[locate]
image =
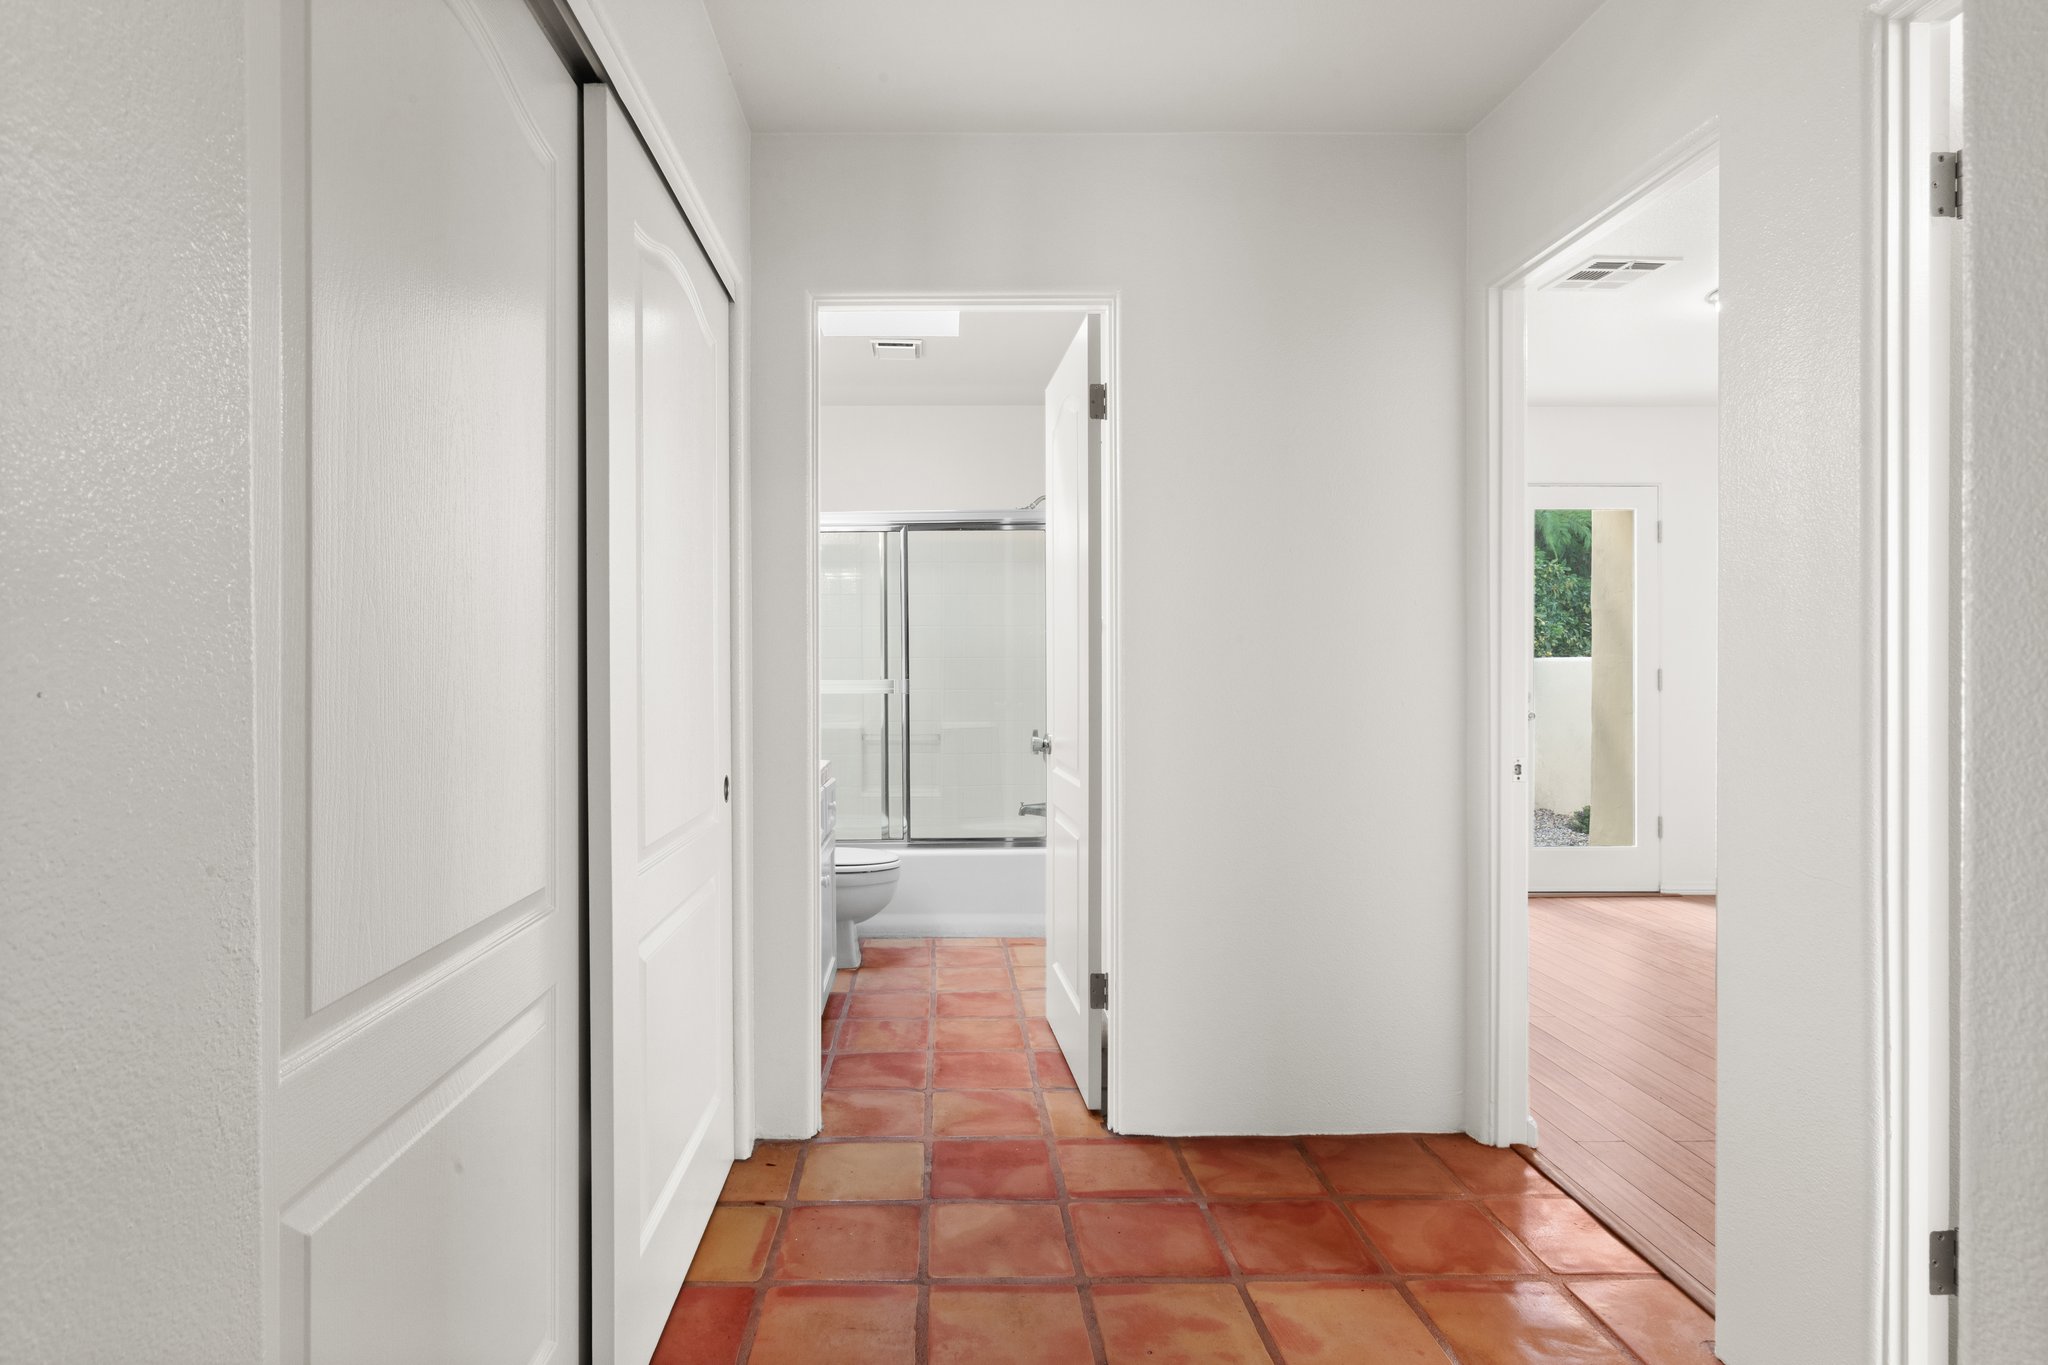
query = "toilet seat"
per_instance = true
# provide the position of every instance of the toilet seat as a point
(859, 860)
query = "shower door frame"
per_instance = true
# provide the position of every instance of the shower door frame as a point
(897, 526)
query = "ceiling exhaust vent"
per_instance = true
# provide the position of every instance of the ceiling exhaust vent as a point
(1611, 272)
(898, 350)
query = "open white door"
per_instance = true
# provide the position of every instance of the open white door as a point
(1596, 822)
(1073, 943)
(656, 476)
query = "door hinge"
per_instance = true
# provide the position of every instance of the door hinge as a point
(1098, 401)
(1098, 990)
(1945, 184)
(1941, 1262)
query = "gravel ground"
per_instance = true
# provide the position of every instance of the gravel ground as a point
(1555, 831)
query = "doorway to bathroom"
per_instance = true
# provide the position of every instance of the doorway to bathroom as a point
(963, 598)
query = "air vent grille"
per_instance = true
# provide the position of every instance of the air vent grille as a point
(898, 350)
(1611, 272)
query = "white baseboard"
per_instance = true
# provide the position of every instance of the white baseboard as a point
(1707, 890)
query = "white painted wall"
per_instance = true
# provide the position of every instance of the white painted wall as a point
(2004, 561)
(1674, 448)
(937, 457)
(1289, 378)
(1800, 1037)
(128, 1013)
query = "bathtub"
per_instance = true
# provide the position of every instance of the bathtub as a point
(982, 892)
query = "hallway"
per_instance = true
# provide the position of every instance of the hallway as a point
(1621, 1066)
(962, 1206)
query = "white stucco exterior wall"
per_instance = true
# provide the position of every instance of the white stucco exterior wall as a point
(1790, 83)
(1291, 635)
(2004, 564)
(128, 1008)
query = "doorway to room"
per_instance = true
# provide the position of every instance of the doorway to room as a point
(963, 544)
(1619, 434)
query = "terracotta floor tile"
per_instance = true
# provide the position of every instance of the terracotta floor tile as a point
(828, 1032)
(991, 1168)
(1016, 1324)
(1029, 979)
(1164, 1240)
(835, 1004)
(1293, 1239)
(979, 1035)
(840, 1171)
(1041, 1035)
(885, 1035)
(850, 1242)
(1652, 1318)
(910, 977)
(1122, 1169)
(1440, 1237)
(1513, 1322)
(985, 1113)
(735, 1244)
(901, 952)
(874, 1113)
(763, 1177)
(846, 1324)
(842, 980)
(1052, 1070)
(1340, 1323)
(1567, 1238)
(1071, 1117)
(1488, 1171)
(890, 1005)
(977, 1005)
(706, 1326)
(1180, 1324)
(971, 955)
(877, 1071)
(981, 1071)
(1249, 1168)
(1027, 953)
(1380, 1164)
(974, 978)
(1034, 1004)
(999, 1242)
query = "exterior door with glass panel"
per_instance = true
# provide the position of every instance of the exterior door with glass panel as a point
(1595, 821)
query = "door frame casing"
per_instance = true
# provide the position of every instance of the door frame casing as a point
(1104, 705)
(1500, 1114)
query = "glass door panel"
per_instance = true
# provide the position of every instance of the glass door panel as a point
(976, 641)
(1592, 737)
(858, 701)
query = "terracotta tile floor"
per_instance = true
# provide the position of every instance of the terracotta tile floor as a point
(962, 1207)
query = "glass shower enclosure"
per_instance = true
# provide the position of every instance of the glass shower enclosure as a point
(931, 666)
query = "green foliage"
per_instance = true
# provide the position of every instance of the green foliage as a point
(1582, 820)
(1564, 610)
(1566, 533)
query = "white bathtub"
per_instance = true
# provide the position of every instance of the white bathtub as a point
(965, 893)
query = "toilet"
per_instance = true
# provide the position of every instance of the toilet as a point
(864, 882)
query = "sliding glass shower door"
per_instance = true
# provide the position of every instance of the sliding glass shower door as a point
(932, 672)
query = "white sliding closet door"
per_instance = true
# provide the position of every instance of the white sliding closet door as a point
(422, 1129)
(657, 472)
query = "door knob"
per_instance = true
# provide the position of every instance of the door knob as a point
(1040, 744)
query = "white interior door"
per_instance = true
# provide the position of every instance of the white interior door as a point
(1595, 818)
(422, 1133)
(657, 469)
(1073, 945)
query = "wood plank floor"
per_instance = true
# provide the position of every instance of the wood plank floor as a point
(1621, 1067)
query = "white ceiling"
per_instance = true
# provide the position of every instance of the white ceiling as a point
(1654, 341)
(998, 358)
(1373, 66)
